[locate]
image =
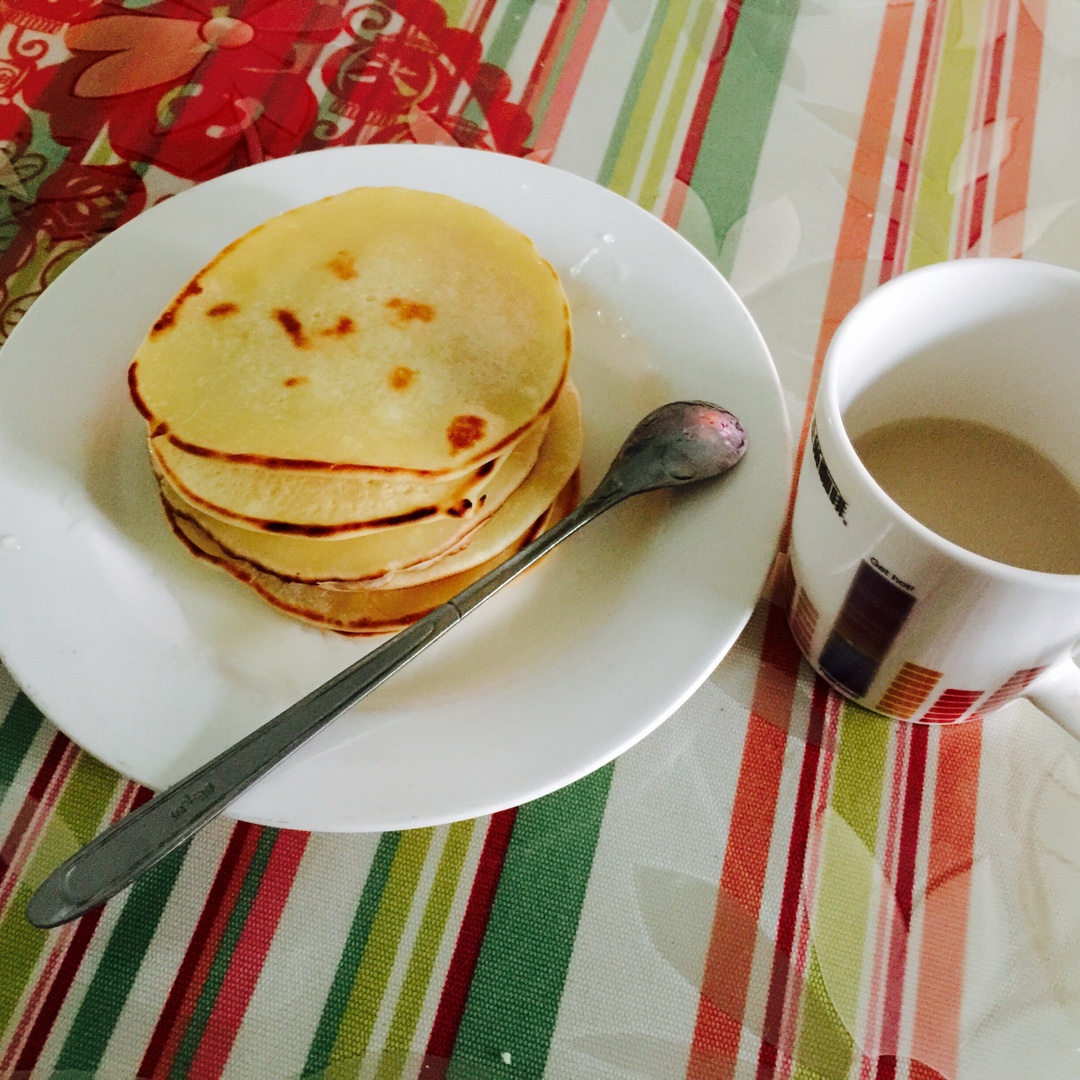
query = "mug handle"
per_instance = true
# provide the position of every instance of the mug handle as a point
(1056, 692)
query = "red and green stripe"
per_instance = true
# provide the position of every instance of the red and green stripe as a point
(322, 1045)
(557, 86)
(730, 954)
(72, 820)
(517, 984)
(470, 938)
(935, 203)
(643, 92)
(864, 188)
(907, 170)
(939, 994)
(198, 957)
(71, 959)
(844, 901)
(403, 1025)
(49, 776)
(355, 1018)
(551, 59)
(508, 32)
(21, 725)
(240, 962)
(793, 884)
(123, 956)
(204, 1001)
(723, 146)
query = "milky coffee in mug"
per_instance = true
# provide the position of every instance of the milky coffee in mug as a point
(935, 541)
(980, 487)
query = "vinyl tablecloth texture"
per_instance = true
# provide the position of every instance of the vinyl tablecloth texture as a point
(773, 883)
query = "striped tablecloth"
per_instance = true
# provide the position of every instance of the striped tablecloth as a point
(771, 884)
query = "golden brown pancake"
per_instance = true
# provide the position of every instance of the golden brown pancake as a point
(338, 505)
(382, 329)
(362, 405)
(363, 611)
(521, 488)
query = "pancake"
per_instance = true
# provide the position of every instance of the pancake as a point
(380, 330)
(365, 559)
(333, 504)
(363, 611)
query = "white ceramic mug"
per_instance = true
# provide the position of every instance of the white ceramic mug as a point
(897, 618)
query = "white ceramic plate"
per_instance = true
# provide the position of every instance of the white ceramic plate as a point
(154, 661)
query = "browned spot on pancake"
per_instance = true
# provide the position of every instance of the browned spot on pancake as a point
(485, 469)
(465, 431)
(291, 529)
(218, 310)
(294, 464)
(569, 340)
(159, 430)
(515, 433)
(400, 377)
(133, 390)
(291, 325)
(296, 380)
(168, 316)
(343, 326)
(343, 264)
(460, 509)
(192, 288)
(410, 310)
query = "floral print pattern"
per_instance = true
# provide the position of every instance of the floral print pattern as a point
(96, 94)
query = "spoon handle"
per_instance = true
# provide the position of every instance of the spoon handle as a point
(126, 849)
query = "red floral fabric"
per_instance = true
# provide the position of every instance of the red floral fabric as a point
(96, 96)
(195, 87)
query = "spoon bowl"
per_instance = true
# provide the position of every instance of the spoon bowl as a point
(679, 443)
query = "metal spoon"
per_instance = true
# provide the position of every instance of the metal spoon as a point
(677, 444)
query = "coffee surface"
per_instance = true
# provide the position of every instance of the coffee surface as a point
(979, 487)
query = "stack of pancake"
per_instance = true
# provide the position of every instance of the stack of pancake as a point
(362, 406)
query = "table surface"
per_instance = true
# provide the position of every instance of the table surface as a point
(773, 883)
